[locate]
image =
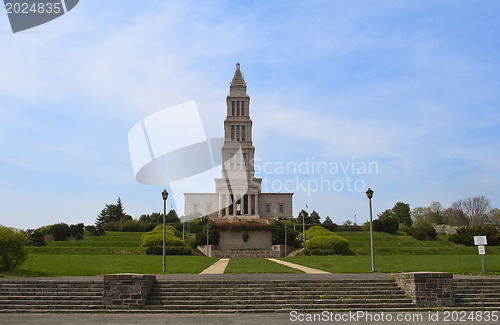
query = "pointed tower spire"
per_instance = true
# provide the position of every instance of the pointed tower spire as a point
(238, 85)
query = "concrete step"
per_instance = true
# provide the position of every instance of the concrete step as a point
(51, 307)
(292, 306)
(273, 292)
(297, 295)
(282, 302)
(53, 298)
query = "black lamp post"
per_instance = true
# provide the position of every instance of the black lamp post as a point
(369, 194)
(164, 194)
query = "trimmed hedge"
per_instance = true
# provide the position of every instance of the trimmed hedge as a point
(327, 245)
(321, 241)
(155, 237)
(242, 226)
(315, 231)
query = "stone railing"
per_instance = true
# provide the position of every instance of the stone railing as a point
(126, 291)
(428, 289)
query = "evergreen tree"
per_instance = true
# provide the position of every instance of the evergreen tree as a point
(111, 212)
(303, 215)
(172, 217)
(328, 220)
(314, 218)
(402, 212)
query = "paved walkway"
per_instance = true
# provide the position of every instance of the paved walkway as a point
(308, 270)
(217, 268)
(292, 317)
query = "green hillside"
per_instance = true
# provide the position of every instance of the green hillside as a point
(121, 252)
(402, 244)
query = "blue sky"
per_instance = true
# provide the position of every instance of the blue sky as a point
(411, 86)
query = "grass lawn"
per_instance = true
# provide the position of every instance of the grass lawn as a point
(116, 252)
(401, 244)
(257, 265)
(457, 264)
(89, 265)
(121, 252)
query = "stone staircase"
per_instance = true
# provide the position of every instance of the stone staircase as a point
(47, 296)
(477, 293)
(231, 296)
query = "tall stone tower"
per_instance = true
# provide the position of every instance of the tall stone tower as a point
(238, 189)
(238, 192)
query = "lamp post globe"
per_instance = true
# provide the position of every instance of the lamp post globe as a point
(164, 195)
(369, 194)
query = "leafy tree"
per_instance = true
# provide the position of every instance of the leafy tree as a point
(77, 230)
(476, 209)
(36, 237)
(419, 213)
(455, 217)
(423, 230)
(495, 216)
(154, 217)
(278, 233)
(386, 222)
(402, 212)
(386, 214)
(60, 231)
(213, 234)
(436, 207)
(111, 212)
(12, 250)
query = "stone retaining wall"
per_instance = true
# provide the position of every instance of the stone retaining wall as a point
(126, 291)
(428, 289)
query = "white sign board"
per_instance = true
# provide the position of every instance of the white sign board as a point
(481, 250)
(480, 240)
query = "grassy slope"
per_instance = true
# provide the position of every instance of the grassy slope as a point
(458, 264)
(113, 243)
(116, 252)
(87, 265)
(399, 244)
(122, 252)
(401, 253)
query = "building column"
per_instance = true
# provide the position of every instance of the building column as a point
(226, 203)
(220, 206)
(243, 204)
(232, 202)
(256, 204)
